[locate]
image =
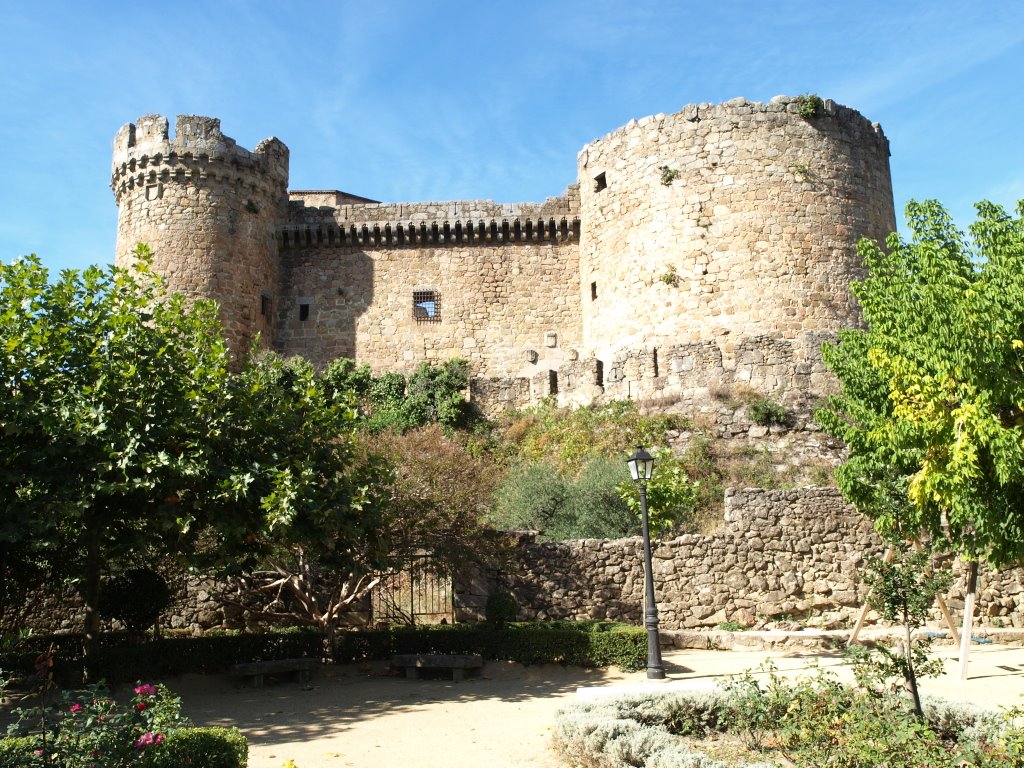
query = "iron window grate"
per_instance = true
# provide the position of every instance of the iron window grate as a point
(426, 306)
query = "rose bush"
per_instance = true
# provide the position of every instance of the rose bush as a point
(90, 729)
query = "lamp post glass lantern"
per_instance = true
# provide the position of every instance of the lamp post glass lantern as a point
(641, 469)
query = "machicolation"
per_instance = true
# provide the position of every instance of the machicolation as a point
(752, 210)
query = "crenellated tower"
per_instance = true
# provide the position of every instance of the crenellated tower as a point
(724, 238)
(209, 210)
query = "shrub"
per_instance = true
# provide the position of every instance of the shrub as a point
(136, 598)
(181, 748)
(200, 748)
(122, 658)
(433, 394)
(344, 376)
(501, 608)
(90, 727)
(810, 105)
(812, 721)
(568, 439)
(671, 496)
(766, 412)
(539, 497)
(585, 644)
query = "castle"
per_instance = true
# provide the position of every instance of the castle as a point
(708, 248)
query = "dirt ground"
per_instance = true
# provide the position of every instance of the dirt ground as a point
(364, 717)
(347, 717)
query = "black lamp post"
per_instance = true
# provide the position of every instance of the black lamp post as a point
(641, 468)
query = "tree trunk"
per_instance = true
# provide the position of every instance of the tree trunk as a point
(911, 676)
(91, 597)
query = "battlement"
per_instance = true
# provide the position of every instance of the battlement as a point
(477, 222)
(145, 154)
(314, 222)
(390, 234)
(844, 118)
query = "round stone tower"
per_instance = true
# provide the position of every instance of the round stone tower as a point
(208, 209)
(728, 222)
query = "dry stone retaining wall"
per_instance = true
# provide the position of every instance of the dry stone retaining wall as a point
(793, 554)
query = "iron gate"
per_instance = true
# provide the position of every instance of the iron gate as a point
(416, 594)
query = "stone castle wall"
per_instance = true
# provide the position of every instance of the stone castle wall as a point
(709, 248)
(209, 210)
(502, 281)
(727, 222)
(796, 554)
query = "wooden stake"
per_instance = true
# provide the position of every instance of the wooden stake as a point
(862, 617)
(941, 601)
(965, 638)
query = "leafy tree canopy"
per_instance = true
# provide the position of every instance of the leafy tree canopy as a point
(127, 434)
(932, 404)
(111, 400)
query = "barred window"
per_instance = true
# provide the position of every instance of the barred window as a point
(426, 306)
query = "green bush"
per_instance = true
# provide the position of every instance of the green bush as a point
(432, 395)
(80, 728)
(200, 748)
(123, 658)
(811, 721)
(590, 506)
(585, 644)
(766, 412)
(810, 105)
(501, 608)
(182, 748)
(570, 438)
(136, 598)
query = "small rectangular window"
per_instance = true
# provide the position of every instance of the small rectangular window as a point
(600, 182)
(303, 312)
(265, 306)
(593, 291)
(426, 306)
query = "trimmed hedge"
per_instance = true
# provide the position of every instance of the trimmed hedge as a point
(182, 748)
(200, 748)
(584, 643)
(122, 658)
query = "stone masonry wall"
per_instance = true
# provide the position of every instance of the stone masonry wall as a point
(795, 553)
(502, 279)
(209, 211)
(727, 222)
(508, 309)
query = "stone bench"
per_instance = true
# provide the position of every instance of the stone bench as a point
(255, 670)
(412, 663)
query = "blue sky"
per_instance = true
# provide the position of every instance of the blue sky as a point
(406, 100)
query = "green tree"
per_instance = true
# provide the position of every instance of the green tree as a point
(111, 399)
(128, 435)
(291, 509)
(932, 405)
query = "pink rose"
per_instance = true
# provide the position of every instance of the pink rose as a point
(146, 689)
(76, 708)
(149, 739)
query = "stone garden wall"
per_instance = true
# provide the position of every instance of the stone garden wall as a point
(791, 555)
(794, 556)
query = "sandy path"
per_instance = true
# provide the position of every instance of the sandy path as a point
(348, 718)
